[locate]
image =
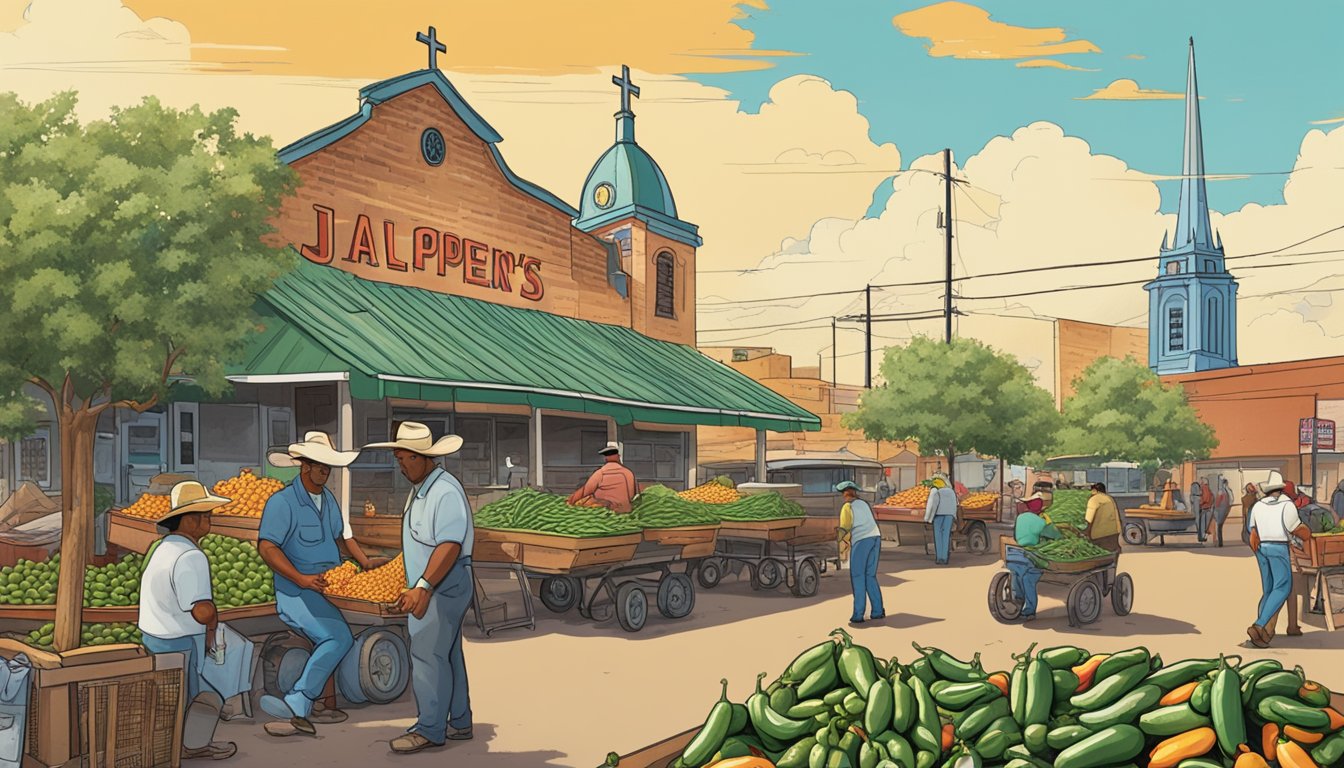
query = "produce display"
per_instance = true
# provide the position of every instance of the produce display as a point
(979, 500)
(238, 577)
(531, 510)
(910, 498)
(91, 634)
(247, 492)
(838, 706)
(149, 507)
(662, 507)
(383, 584)
(1068, 549)
(757, 507)
(720, 490)
(1069, 507)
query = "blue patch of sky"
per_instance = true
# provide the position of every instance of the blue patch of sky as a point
(1265, 72)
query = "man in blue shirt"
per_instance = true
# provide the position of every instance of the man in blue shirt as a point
(303, 535)
(1028, 530)
(436, 538)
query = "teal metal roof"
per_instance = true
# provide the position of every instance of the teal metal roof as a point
(635, 187)
(412, 343)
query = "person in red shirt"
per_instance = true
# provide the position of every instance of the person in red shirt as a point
(612, 485)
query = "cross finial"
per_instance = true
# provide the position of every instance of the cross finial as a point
(628, 88)
(431, 41)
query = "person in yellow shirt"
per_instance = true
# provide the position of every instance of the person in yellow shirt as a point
(1103, 519)
(861, 541)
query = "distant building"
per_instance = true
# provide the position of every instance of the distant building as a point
(1192, 304)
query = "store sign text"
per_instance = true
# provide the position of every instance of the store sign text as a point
(431, 250)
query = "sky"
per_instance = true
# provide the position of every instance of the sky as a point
(803, 138)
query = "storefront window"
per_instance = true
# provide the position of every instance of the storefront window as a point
(230, 433)
(569, 448)
(655, 457)
(510, 442)
(35, 458)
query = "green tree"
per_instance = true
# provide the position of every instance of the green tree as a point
(957, 397)
(131, 251)
(1121, 411)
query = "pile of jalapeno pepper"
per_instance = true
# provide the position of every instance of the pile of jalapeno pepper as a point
(838, 706)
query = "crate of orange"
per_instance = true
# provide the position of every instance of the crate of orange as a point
(133, 527)
(370, 592)
(241, 517)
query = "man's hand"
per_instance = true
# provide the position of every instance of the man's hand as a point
(374, 563)
(316, 581)
(414, 601)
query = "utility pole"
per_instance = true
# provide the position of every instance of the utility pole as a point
(833, 355)
(947, 240)
(868, 337)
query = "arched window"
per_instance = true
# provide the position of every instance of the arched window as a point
(1173, 267)
(664, 304)
(1214, 323)
(1176, 327)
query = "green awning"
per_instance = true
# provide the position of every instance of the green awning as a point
(394, 341)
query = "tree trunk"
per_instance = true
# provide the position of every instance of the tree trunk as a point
(952, 467)
(77, 435)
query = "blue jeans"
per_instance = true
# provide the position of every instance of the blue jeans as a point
(942, 536)
(438, 671)
(1025, 577)
(1276, 579)
(309, 614)
(863, 575)
(194, 648)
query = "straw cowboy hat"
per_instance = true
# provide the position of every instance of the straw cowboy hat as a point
(316, 447)
(609, 449)
(191, 496)
(415, 437)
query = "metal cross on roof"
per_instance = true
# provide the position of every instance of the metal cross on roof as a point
(628, 88)
(431, 41)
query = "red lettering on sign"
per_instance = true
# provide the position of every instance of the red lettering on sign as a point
(390, 247)
(477, 265)
(425, 246)
(362, 248)
(531, 265)
(503, 267)
(451, 253)
(326, 232)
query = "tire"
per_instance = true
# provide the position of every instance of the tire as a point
(768, 574)
(560, 593)
(376, 670)
(1122, 595)
(977, 539)
(1135, 534)
(806, 578)
(676, 596)
(1084, 602)
(632, 606)
(283, 657)
(710, 572)
(1001, 605)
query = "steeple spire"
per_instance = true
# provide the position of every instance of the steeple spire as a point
(625, 119)
(1192, 217)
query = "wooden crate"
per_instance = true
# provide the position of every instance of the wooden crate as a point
(659, 755)
(365, 607)
(379, 530)
(769, 530)
(1322, 551)
(549, 553)
(236, 526)
(133, 533)
(884, 514)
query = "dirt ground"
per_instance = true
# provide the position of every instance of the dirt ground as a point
(571, 691)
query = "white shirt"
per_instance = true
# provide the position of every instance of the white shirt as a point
(437, 512)
(176, 577)
(1275, 518)
(942, 502)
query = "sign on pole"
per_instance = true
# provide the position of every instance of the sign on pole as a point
(1323, 431)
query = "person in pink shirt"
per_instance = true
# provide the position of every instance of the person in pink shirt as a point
(612, 485)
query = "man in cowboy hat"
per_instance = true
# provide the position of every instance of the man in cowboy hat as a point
(177, 611)
(303, 534)
(612, 485)
(436, 540)
(1029, 529)
(1273, 522)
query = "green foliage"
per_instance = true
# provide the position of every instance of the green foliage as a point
(965, 394)
(1121, 411)
(129, 246)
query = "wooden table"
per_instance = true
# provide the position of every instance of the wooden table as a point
(1320, 578)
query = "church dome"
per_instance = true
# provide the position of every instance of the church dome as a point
(626, 176)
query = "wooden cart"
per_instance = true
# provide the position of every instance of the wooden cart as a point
(1139, 526)
(1321, 559)
(137, 534)
(794, 552)
(1083, 584)
(971, 533)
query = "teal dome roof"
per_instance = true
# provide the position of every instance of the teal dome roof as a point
(626, 175)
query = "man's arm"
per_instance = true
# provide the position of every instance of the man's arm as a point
(1051, 532)
(589, 487)
(276, 561)
(191, 586)
(448, 528)
(351, 549)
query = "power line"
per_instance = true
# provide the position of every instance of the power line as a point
(780, 298)
(717, 342)
(759, 327)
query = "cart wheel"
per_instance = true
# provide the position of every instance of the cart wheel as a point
(376, 669)
(283, 657)
(1135, 534)
(1001, 605)
(632, 606)
(1084, 602)
(1122, 595)
(560, 593)
(676, 596)
(977, 539)
(769, 573)
(710, 572)
(806, 578)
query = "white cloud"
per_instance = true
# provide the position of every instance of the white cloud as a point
(92, 34)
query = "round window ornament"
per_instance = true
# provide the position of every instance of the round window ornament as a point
(432, 146)
(604, 195)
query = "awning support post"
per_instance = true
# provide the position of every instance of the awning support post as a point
(538, 480)
(345, 440)
(760, 456)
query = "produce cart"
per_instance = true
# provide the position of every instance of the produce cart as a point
(1139, 525)
(790, 551)
(1320, 559)
(971, 532)
(1084, 584)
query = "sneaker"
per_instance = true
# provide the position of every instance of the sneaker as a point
(460, 734)
(215, 750)
(411, 743)
(856, 621)
(878, 616)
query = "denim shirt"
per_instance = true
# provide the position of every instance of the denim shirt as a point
(304, 533)
(437, 512)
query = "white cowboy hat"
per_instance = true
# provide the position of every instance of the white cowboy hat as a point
(317, 447)
(415, 437)
(1274, 483)
(190, 496)
(609, 449)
